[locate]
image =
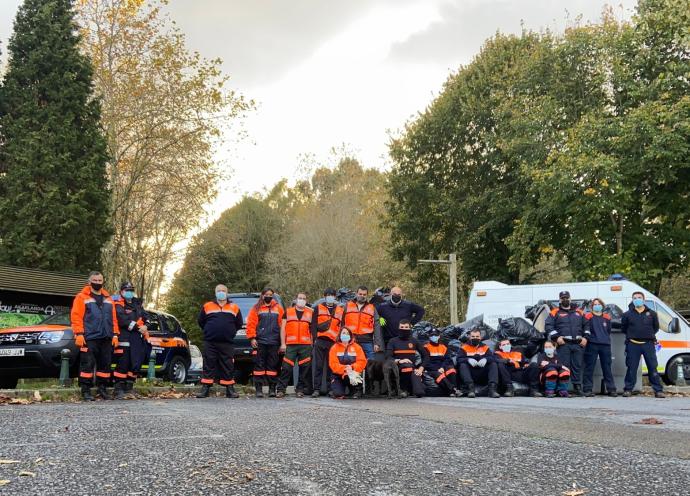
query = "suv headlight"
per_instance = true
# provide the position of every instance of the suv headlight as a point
(50, 337)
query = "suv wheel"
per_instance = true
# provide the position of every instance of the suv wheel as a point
(8, 382)
(177, 370)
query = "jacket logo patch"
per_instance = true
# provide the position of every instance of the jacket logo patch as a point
(410, 345)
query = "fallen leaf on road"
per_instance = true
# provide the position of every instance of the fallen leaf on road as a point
(437, 472)
(575, 492)
(37, 396)
(122, 465)
(38, 460)
(467, 481)
(250, 476)
(4, 482)
(27, 474)
(7, 462)
(650, 421)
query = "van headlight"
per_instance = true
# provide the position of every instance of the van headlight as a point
(50, 337)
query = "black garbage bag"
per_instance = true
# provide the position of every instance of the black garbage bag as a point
(343, 295)
(462, 331)
(422, 329)
(380, 295)
(616, 315)
(531, 312)
(450, 333)
(453, 348)
(518, 330)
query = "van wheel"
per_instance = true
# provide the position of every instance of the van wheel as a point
(177, 370)
(672, 370)
(8, 382)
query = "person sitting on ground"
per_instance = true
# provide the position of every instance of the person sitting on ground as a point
(439, 365)
(554, 375)
(403, 349)
(347, 361)
(513, 366)
(477, 365)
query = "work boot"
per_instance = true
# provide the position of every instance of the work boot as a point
(102, 393)
(119, 391)
(272, 391)
(534, 393)
(205, 391)
(589, 394)
(659, 394)
(577, 390)
(259, 393)
(550, 393)
(230, 392)
(279, 394)
(130, 393)
(357, 394)
(470, 391)
(86, 393)
(299, 394)
(492, 391)
(564, 393)
(509, 393)
(627, 394)
(613, 394)
(456, 393)
(315, 394)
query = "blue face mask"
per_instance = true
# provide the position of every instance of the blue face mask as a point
(345, 338)
(128, 295)
(638, 302)
(597, 308)
(549, 351)
(434, 339)
(221, 295)
(330, 300)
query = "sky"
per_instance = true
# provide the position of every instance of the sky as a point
(328, 73)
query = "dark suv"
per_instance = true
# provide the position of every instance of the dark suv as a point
(34, 351)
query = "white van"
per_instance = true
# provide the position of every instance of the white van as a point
(499, 301)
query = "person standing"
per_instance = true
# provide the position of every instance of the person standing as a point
(567, 327)
(296, 343)
(94, 324)
(219, 320)
(391, 312)
(325, 330)
(640, 325)
(134, 335)
(363, 320)
(263, 332)
(598, 345)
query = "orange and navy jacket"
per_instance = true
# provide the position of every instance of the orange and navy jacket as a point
(326, 325)
(437, 357)
(263, 323)
(468, 351)
(220, 323)
(91, 320)
(599, 328)
(341, 355)
(554, 362)
(566, 323)
(513, 359)
(298, 328)
(400, 349)
(364, 322)
(130, 315)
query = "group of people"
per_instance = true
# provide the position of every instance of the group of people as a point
(330, 344)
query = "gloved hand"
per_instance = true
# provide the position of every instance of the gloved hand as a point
(482, 362)
(116, 341)
(146, 335)
(382, 321)
(473, 362)
(355, 378)
(79, 340)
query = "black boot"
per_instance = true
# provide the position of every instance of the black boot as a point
(86, 393)
(509, 391)
(259, 388)
(230, 392)
(119, 391)
(535, 393)
(130, 393)
(470, 390)
(102, 393)
(271, 390)
(577, 390)
(205, 391)
(492, 391)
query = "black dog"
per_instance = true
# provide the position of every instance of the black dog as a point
(382, 374)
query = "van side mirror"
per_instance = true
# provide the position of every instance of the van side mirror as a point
(674, 325)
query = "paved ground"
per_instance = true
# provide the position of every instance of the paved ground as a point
(368, 447)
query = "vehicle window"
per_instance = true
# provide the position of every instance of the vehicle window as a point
(59, 319)
(665, 316)
(170, 323)
(245, 305)
(154, 325)
(194, 351)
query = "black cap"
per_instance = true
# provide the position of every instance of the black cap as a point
(126, 285)
(329, 292)
(564, 294)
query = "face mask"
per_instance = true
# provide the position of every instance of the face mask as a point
(549, 351)
(129, 295)
(597, 308)
(396, 298)
(565, 303)
(638, 302)
(434, 339)
(361, 299)
(404, 333)
(330, 300)
(96, 286)
(268, 299)
(301, 302)
(221, 295)
(475, 341)
(506, 348)
(345, 338)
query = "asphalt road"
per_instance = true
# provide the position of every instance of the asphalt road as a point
(368, 447)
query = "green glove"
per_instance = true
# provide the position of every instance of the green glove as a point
(382, 321)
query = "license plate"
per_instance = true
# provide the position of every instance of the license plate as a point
(12, 352)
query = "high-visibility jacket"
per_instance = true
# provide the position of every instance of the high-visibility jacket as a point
(263, 322)
(341, 355)
(333, 321)
(359, 321)
(298, 329)
(468, 351)
(130, 315)
(514, 358)
(437, 357)
(92, 320)
(220, 323)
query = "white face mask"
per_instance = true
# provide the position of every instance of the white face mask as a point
(330, 300)
(301, 302)
(549, 351)
(506, 348)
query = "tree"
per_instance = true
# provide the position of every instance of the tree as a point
(54, 196)
(165, 112)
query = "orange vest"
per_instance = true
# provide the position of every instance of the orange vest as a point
(298, 331)
(359, 321)
(513, 356)
(324, 315)
(475, 350)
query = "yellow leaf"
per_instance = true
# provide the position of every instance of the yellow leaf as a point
(590, 191)
(7, 462)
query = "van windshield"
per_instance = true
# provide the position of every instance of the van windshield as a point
(665, 316)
